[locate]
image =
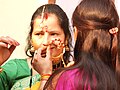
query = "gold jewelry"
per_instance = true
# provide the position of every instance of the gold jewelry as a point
(45, 76)
(32, 49)
(59, 58)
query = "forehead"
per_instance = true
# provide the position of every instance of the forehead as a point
(51, 20)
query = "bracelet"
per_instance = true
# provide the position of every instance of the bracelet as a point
(1, 69)
(45, 76)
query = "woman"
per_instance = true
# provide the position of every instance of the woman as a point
(96, 25)
(49, 27)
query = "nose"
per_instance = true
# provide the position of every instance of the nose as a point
(46, 40)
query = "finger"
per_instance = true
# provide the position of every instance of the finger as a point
(39, 53)
(3, 44)
(48, 53)
(8, 40)
(5, 40)
(12, 41)
(35, 56)
(12, 48)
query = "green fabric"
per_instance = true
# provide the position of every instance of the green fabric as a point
(14, 70)
(25, 82)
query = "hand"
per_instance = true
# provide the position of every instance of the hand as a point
(7, 46)
(43, 65)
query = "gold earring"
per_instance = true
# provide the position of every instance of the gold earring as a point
(67, 48)
(32, 49)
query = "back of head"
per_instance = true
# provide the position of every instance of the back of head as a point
(93, 20)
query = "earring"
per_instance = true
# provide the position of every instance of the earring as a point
(67, 48)
(64, 49)
(32, 49)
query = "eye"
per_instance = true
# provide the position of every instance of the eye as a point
(39, 33)
(53, 34)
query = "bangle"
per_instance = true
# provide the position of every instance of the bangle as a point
(1, 69)
(45, 76)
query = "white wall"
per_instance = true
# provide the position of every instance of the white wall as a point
(15, 16)
(117, 3)
(68, 6)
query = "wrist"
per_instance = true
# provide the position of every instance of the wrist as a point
(45, 77)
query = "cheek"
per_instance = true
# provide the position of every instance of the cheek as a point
(62, 38)
(36, 43)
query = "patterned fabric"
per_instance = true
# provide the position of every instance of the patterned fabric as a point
(24, 83)
(16, 75)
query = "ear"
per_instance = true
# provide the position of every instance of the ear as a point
(75, 33)
(31, 42)
(32, 49)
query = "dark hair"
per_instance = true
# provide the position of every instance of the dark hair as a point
(63, 21)
(94, 51)
(93, 20)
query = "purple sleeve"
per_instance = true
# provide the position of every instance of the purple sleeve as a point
(69, 81)
(66, 81)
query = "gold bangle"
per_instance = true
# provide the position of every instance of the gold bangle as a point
(45, 76)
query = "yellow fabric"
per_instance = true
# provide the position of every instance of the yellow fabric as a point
(34, 87)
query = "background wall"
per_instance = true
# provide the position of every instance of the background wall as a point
(15, 16)
(117, 3)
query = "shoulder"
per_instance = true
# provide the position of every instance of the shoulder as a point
(15, 66)
(14, 62)
(70, 73)
(66, 80)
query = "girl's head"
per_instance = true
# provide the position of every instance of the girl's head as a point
(96, 47)
(48, 23)
(93, 20)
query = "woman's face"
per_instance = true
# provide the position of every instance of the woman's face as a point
(47, 33)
